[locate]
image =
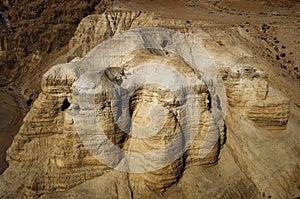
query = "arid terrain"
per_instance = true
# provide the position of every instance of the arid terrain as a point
(258, 158)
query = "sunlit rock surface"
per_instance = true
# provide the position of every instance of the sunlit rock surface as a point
(49, 159)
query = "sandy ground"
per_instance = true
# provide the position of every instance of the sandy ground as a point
(223, 12)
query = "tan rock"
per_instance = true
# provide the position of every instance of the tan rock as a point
(63, 165)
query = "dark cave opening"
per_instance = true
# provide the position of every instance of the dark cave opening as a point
(66, 104)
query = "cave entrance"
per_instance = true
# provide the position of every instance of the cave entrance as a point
(66, 104)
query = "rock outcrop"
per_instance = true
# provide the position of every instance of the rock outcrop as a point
(247, 88)
(104, 97)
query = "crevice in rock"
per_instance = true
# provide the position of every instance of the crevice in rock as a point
(66, 104)
(129, 186)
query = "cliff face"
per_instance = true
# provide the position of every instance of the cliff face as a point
(37, 29)
(32, 35)
(144, 83)
(60, 127)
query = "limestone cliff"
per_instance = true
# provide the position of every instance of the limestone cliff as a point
(51, 157)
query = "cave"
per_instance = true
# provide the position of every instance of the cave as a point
(66, 104)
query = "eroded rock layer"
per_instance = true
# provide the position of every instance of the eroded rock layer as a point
(60, 163)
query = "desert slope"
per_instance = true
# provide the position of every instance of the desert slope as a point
(256, 51)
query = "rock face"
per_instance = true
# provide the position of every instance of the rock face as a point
(248, 88)
(21, 42)
(149, 101)
(106, 97)
(32, 35)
